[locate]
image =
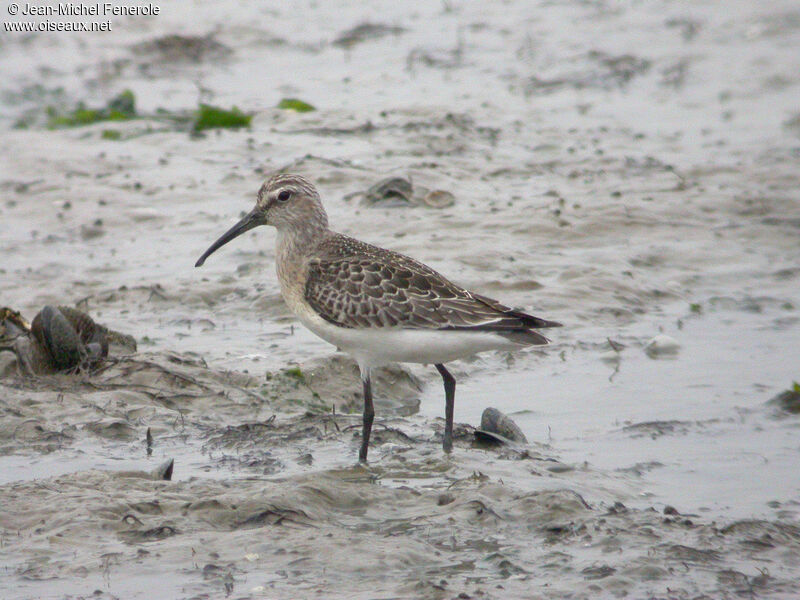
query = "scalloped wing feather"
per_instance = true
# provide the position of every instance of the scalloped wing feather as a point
(357, 285)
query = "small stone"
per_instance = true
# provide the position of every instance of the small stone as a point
(610, 356)
(164, 471)
(662, 345)
(95, 230)
(439, 199)
(445, 498)
(618, 509)
(560, 468)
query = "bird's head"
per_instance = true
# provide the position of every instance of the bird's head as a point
(286, 202)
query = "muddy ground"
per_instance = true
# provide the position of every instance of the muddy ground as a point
(631, 170)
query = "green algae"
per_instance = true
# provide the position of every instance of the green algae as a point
(120, 108)
(296, 105)
(213, 117)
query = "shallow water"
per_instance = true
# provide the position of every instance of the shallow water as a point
(628, 170)
(691, 422)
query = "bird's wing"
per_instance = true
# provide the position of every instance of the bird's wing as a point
(361, 286)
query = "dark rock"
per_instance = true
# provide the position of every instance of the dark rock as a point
(494, 423)
(60, 338)
(392, 189)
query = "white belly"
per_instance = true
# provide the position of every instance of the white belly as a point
(379, 346)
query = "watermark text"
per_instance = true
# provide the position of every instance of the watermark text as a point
(73, 9)
(71, 16)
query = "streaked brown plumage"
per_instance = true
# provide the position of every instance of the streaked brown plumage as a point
(354, 284)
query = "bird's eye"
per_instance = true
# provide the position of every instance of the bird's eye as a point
(284, 196)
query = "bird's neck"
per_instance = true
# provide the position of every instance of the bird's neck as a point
(294, 245)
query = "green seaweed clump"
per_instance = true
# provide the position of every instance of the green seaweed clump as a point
(295, 105)
(296, 373)
(787, 402)
(120, 108)
(124, 104)
(212, 117)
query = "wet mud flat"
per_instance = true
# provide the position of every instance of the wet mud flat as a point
(267, 501)
(628, 170)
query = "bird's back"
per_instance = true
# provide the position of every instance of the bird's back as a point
(357, 285)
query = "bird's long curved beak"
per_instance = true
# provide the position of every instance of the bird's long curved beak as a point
(253, 219)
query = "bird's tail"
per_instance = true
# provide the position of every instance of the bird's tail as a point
(524, 337)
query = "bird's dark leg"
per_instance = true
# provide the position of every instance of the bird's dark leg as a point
(369, 414)
(450, 399)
